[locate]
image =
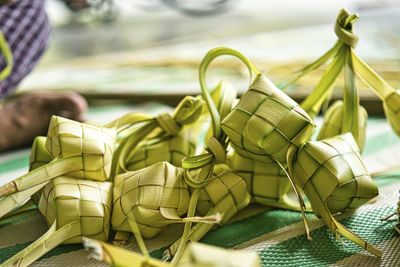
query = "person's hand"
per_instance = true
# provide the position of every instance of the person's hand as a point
(26, 117)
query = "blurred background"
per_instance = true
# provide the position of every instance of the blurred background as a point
(140, 50)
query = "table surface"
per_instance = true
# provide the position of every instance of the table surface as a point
(277, 235)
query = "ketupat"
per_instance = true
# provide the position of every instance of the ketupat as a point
(147, 200)
(225, 194)
(266, 121)
(73, 208)
(334, 178)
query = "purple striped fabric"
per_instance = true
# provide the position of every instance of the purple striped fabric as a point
(26, 28)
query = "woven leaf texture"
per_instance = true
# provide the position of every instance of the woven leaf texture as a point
(266, 121)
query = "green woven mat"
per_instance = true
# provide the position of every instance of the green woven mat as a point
(277, 235)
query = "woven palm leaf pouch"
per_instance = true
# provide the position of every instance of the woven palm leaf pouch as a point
(156, 196)
(223, 196)
(266, 121)
(94, 146)
(73, 208)
(77, 149)
(334, 178)
(147, 200)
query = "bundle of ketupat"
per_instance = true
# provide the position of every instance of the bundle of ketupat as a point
(266, 129)
(73, 208)
(193, 256)
(264, 105)
(80, 150)
(334, 178)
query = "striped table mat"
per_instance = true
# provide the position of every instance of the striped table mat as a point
(277, 235)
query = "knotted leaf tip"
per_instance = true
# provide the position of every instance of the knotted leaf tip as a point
(343, 28)
(188, 110)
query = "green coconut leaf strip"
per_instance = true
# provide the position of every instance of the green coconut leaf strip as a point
(300, 199)
(208, 58)
(127, 145)
(312, 104)
(12, 201)
(128, 119)
(29, 208)
(187, 112)
(42, 174)
(188, 226)
(307, 69)
(370, 77)
(135, 230)
(7, 54)
(44, 244)
(351, 105)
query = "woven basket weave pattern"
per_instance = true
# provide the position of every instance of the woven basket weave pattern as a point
(146, 191)
(266, 121)
(96, 145)
(169, 148)
(68, 199)
(334, 168)
(226, 189)
(266, 182)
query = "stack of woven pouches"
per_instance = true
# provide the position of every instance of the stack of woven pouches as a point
(139, 173)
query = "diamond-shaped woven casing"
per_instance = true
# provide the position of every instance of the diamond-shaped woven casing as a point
(391, 106)
(226, 190)
(145, 192)
(95, 144)
(168, 148)
(68, 199)
(266, 121)
(334, 169)
(333, 123)
(266, 182)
